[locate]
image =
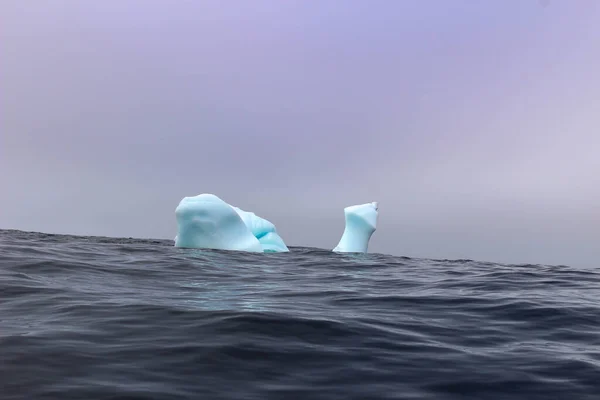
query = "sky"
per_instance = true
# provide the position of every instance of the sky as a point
(475, 125)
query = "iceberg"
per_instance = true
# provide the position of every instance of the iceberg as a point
(361, 222)
(207, 222)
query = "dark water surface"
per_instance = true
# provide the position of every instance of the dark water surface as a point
(100, 318)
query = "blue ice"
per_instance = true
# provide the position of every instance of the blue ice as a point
(263, 230)
(361, 222)
(207, 222)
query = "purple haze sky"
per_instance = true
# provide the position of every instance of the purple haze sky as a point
(475, 125)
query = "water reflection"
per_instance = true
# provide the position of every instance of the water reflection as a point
(249, 289)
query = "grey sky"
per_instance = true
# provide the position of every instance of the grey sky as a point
(475, 125)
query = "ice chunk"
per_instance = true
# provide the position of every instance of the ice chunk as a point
(361, 222)
(263, 230)
(273, 243)
(206, 221)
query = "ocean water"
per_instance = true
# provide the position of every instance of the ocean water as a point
(102, 318)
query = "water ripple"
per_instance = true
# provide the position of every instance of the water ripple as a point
(104, 318)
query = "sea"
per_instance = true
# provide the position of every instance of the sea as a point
(115, 318)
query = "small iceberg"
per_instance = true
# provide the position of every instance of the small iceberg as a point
(207, 222)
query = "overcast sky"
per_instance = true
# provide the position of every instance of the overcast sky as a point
(475, 125)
